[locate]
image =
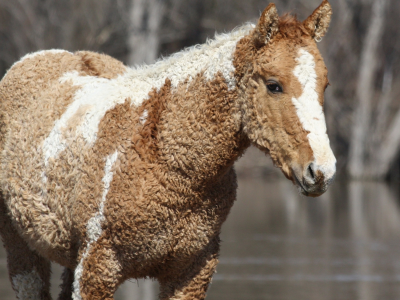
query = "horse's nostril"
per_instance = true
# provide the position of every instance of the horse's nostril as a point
(310, 172)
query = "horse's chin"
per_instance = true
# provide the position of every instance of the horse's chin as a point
(305, 193)
(298, 184)
(290, 173)
(303, 190)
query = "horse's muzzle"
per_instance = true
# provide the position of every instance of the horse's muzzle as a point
(313, 180)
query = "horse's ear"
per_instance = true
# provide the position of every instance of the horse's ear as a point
(317, 24)
(267, 26)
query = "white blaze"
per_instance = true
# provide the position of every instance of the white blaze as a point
(93, 227)
(311, 115)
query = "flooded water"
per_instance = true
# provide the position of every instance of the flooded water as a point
(279, 245)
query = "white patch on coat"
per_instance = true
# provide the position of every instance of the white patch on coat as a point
(93, 227)
(101, 94)
(144, 116)
(311, 115)
(28, 286)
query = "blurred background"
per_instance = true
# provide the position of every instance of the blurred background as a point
(276, 243)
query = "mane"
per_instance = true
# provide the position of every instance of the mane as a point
(218, 40)
(291, 27)
(214, 56)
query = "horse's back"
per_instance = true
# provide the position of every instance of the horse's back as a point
(36, 75)
(33, 97)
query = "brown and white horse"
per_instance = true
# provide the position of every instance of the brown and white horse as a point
(117, 172)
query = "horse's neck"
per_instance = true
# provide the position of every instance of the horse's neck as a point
(193, 106)
(199, 131)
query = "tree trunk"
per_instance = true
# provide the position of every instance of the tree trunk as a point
(388, 150)
(144, 39)
(365, 90)
(380, 156)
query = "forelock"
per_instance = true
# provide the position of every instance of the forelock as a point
(291, 27)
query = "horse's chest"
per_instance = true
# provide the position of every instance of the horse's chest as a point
(191, 231)
(153, 232)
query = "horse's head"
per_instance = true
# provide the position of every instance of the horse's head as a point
(284, 94)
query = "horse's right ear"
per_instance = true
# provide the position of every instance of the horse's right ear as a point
(267, 26)
(317, 24)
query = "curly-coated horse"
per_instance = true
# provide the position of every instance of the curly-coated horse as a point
(117, 172)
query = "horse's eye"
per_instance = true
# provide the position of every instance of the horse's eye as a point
(274, 87)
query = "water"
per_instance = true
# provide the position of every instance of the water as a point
(279, 245)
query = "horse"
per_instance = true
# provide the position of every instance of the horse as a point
(119, 172)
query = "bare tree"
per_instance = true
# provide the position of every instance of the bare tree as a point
(144, 30)
(27, 26)
(365, 89)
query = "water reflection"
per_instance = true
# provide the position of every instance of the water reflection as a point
(280, 245)
(138, 290)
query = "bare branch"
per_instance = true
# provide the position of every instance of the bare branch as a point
(365, 89)
(389, 148)
(144, 39)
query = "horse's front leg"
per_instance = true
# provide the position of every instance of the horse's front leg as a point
(192, 283)
(67, 284)
(98, 274)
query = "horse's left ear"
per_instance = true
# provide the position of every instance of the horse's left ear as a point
(317, 24)
(267, 26)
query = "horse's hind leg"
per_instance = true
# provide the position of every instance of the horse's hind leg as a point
(29, 273)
